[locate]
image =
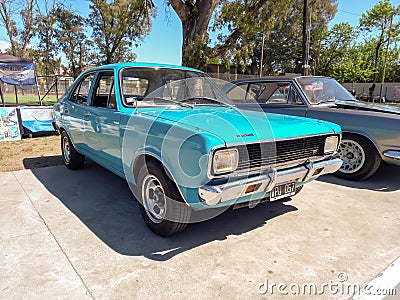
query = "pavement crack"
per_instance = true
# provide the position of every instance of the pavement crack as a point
(88, 292)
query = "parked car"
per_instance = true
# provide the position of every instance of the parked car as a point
(371, 133)
(182, 145)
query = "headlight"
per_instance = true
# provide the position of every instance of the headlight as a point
(331, 144)
(225, 161)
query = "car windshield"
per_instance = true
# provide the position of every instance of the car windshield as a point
(147, 87)
(323, 90)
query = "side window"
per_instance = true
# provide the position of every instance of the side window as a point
(294, 97)
(104, 95)
(255, 90)
(278, 93)
(81, 92)
(238, 93)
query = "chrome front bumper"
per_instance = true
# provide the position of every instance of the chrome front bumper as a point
(215, 194)
(392, 154)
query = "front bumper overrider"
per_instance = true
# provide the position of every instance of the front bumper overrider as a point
(215, 194)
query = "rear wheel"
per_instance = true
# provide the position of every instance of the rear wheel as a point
(72, 159)
(360, 158)
(162, 206)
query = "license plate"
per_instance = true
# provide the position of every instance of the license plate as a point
(282, 190)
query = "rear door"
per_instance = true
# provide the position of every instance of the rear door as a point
(102, 122)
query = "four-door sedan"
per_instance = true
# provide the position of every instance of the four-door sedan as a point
(371, 133)
(182, 145)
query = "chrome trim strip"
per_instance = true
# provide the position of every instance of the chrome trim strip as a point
(392, 154)
(215, 194)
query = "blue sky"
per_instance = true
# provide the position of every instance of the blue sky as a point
(163, 44)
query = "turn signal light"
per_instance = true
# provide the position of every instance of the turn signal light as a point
(317, 171)
(250, 188)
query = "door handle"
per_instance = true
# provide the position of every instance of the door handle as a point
(87, 112)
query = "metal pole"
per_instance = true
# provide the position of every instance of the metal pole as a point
(2, 97)
(57, 87)
(16, 94)
(305, 38)
(386, 55)
(262, 55)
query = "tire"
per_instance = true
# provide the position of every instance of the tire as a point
(72, 159)
(162, 207)
(360, 158)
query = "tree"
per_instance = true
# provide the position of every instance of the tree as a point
(45, 31)
(117, 26)
(19, 36)
(195, 16)
(379, 21)
(335, 45)
(71, 36)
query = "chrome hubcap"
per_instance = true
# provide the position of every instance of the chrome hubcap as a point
(154, 198)
(353, 156)
(66, 149)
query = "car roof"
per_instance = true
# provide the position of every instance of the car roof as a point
(142, 65)
(274, 78)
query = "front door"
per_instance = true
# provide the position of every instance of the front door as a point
(102, 122)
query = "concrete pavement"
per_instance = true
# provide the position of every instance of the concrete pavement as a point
(79, 234)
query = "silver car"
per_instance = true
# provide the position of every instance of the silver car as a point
(371, 133)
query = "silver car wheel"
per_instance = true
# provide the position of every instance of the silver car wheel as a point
(154, 198)
(353, 156)
(66, 149)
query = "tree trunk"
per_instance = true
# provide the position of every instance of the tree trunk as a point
(195, 17)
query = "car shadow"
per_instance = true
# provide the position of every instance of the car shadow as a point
(105, 204)
(386, 179)
(43, 161)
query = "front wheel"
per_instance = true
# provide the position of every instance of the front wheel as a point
(360, 158)
(72, 159)
(162, 206)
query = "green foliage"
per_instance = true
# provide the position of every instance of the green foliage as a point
(44, 28)
(118, 26)
(382, 21)
(198, 53)
(71, 37)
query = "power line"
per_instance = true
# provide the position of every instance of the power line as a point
(347, 12)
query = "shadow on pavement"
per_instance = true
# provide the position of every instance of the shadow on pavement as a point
(105, 204)
(43, 161)
(386, 179)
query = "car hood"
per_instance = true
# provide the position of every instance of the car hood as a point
(368, 106)
(235, 126)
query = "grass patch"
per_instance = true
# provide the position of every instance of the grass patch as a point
(28, 99)
(30, 153)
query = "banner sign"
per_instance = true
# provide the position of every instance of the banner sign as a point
(17, 73)
(37, 119)
(9, 126)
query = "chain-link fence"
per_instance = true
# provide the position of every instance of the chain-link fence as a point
(47, 91)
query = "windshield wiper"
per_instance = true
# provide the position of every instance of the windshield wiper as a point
(201, 98)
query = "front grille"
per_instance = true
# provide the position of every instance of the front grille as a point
(272, 154)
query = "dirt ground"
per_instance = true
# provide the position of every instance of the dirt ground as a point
(30, 153)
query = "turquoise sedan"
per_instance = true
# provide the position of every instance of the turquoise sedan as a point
(183, 146)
